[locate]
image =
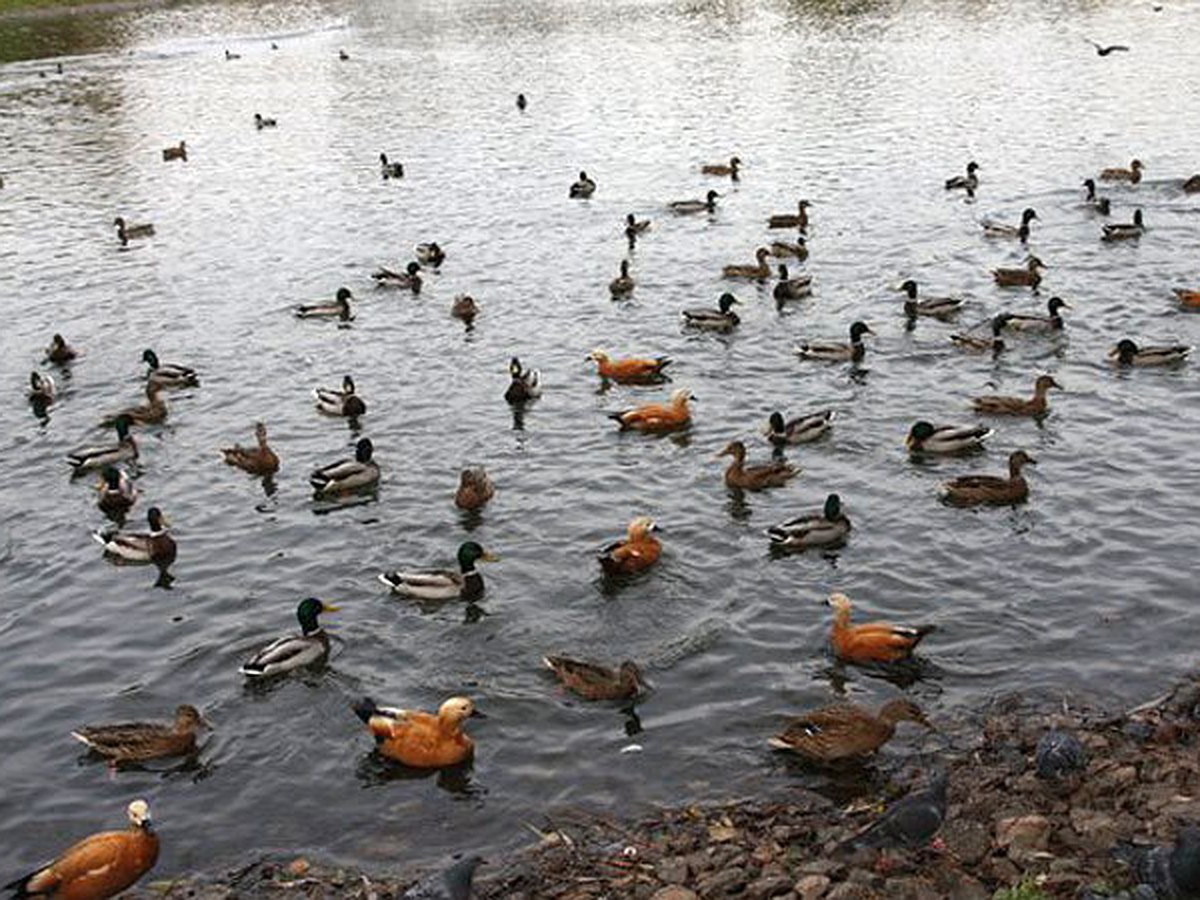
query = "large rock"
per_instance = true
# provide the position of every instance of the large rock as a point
(1023, 836)
(811, 887)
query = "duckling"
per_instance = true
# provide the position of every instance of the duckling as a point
(116, 490)
(345, 402)
(846, 730)
(95, 457)
(180, 152)
(657, 417)
(260, 460)
(879, 642)
(798, 220)
(826, 528)
(1124, 231)
(583, 188)
(1192, 185)
(1051, 322)
(788, 288)
(723, 318)
(980, 344)
(631, 370)
(1102, 205)
(143, 741)
(689, 207)
(475, 489)
(155, 546)
(1133, 174)
(168, 375)
(526, 384)
(974, 490)
(339, 309)
(465, 309)
(1127, 353)
(125, 232)
(418, 739)
(635, 227)
(933, 307)
(1187, 299)
(623, 283)
(754, 478)
(729, 171)
(1030, 276)
(293, 651)
(348, 475)
(758, 272)
(1018, 406)
(60, 352)
(968, 182)
(801, 430)
(102, 865)
(430, 254)
(389, 169)
(925, 437)
(784, 250)
(152, 412)
(1004, 230)
(522, 102)
(853, 351)
(637, 552)
(409, 279)
(41, 388)
(594, 681)
(231, 56)
(443, 584)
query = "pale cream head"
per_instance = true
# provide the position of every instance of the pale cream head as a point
(640, 527)
(839, 602)
(456, 709)
(139, 813)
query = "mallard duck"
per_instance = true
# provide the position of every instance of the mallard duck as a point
(343, 56)
(784, 250)
(1192, 185)
(168, 375)
(1004, 230)
(443, 584)
(723, 318)
(142, 741)
(932, 307)
(657, 417)
(347, 475)
(623, 283)
(801, 430)
(524, 384)
(521, 102)
(465, 309)
(797, 220)
(338, 309)
(846, 730)
(94, 457)
(1030, 276)
(116, 490)
(293, 651)
(968, 182)
(1127, 353)
(981, 344)
(631, 370)
(345, 402)
(60, 352)
(430, 254)
(758, 272)
(260, 460)
(880, 642)
(688, 207)
(419, 739)
(1133, 174)
(1187, 299)
(155, 546)
(389, 169)
(180, 152)
(41, 388)
(409, 279)
(729, 171)
(1051, 322)
(788, 288)
(635, 227)
(260, 122)
(231, 56)
(826, 528)
(152, 412)
(1019, 406)
(925, 437)
(637, 552)
(757, 477)
(853, 351)
(99, 866)
(584, 187)
(594, 681)
(475, 489)
(125, 233)
(1124, 231)
(1101, 205)
(973, 490)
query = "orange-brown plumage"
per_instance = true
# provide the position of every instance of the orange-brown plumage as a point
(260, 460)
(871, 641)
(656, 417)
(1190, 299)
(630, 370)
(420, 739)
(638, 552)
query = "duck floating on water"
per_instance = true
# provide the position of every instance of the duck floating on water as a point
(465, 309)
(1125, 231)
(1030, 276)
(419, 739)
(168, 375)
(871, 642)
(1127, 353)
(786, 249)
(968, 182)
(1187, 298)
(835, 352)
(153, 412)
(637, 552)
(1004, 230)
(344, 402)
(932, 307)
(657, 417)
(259, 460)
(41, 388)
(1036, 406)
(143, 741)
(293, 651)
(759, 271)
(339, 309)
(443, 584)
(260, 122)
(797, 220)
(153, 546)
(583, 187)
(623, 283)
(116, 490)
(594, 681)
(689, 207)
(172, 153)
(1051, 322)
(740, 476)
(127, 232)
(634, 228)
(728, 171)
(723, 318)
(1102, 205)
(1132, 175)
(475, 489)
(60, 352)
(97, 456)
(925, 437)
(348, 475)
(800, 430)
(980, 344)
(788, 288)
(828, 527)
(430, 254)
(389, 170)
(524, 384)
(409, 279)
(630, 370)
(846, 730)
(977, 490)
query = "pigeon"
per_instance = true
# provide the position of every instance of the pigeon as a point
(1060, 758)
(1173, 872)
(452, 883)
(911, 823)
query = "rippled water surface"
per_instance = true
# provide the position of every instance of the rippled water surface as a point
(864, 108)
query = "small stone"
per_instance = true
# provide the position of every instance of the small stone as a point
(1023, 836)
(672, 870)
(769, 886)
(811, 887)
(675, 892)
(298, 867)
(726, 881)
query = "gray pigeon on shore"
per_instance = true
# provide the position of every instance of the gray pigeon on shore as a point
(911, 823)
(452, 883)
(1060, 758)
(1173, 872)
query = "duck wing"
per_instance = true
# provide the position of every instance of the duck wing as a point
(131, 740)
(284, 654)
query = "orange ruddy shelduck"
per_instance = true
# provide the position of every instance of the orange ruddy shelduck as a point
(420, 739)
(631, 370)
(872, 641)
(638, 552)
(658, 416)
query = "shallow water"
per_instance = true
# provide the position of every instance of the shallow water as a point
(864, 108)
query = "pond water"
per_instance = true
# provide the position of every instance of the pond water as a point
(864, 108)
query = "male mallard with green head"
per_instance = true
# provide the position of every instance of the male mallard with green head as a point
(347, 475)
(443, 584)
(153, 546)
(293, 651)
(825, 528)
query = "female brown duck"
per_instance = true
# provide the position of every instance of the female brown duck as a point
(1037, 405)
(757, 477)
(260, 460)
(593, 681)
(845, 730)
(142, 741)
(976, 490)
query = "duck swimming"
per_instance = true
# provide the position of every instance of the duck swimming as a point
(980, 344)
(623, 283)
(758, 272)
(1127, 353)
(155, 546)
(116, 490)
(143, 741)
(152, 412)
(800, 430)
(635, 227)
(1051, 322)
(583, 187)
(168, 375)
(1132, 175)
(409, 279)
(420, 739)
(475, 489)
(1187, 299)
(785, 250)
(260, 123)
(1037, 406)
(630, 370)
(348, 475)
(657, 417)
(925, 437)
(729, 171)
(260, 460)
(976, 490)
(1004, 230)
(171, 153)
(1030, 276)
(1102, 205)
(969, 182)
(825, 528)
(94, 457)
(594, 681)
(1192, 185)
(788, 288)
(430, 254)
(846, 730)
(60, 352)
(389, 169)
(687, 207)
(723, 318)
(465, 309)
(835, 352)
(293, 651)
(126, 233)
(443, 584)
(345, 402)
(797, 220)
(871, 642)
(339, 309)
(41, 388)
(1124, 231)
(933, 307)
(636, 553)
(525, 384)
(757, 477)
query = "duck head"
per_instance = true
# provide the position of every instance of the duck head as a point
(1090, 185)
(1044, 383)
(921, 431)
(1137, 218)
(307, 612)
(909, 287)
(640, 527)
(630, 677)
(157, 521)
(1034, 264)
(347, 384)
(457, 710)
(833, 507)
(188, 718)
(139, 814)
(1028, 215)
(150, 358)
(736, 449)
(1055, 304)
(122, 424)
(1126, 350)
(1136, 165)
(775, 424)
(413, 268)
(902, 710)
(514, 367)
(972, 167)
(363, 450)
(726, 301)
(857, 330)
(681, 396)
(260, 433)
(112, 478)
(624, 268)
(470, 553)
(711, 197)
(839, 603)
(1018, 460)
(598, 356)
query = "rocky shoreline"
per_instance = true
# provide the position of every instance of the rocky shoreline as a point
(1007, 834)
